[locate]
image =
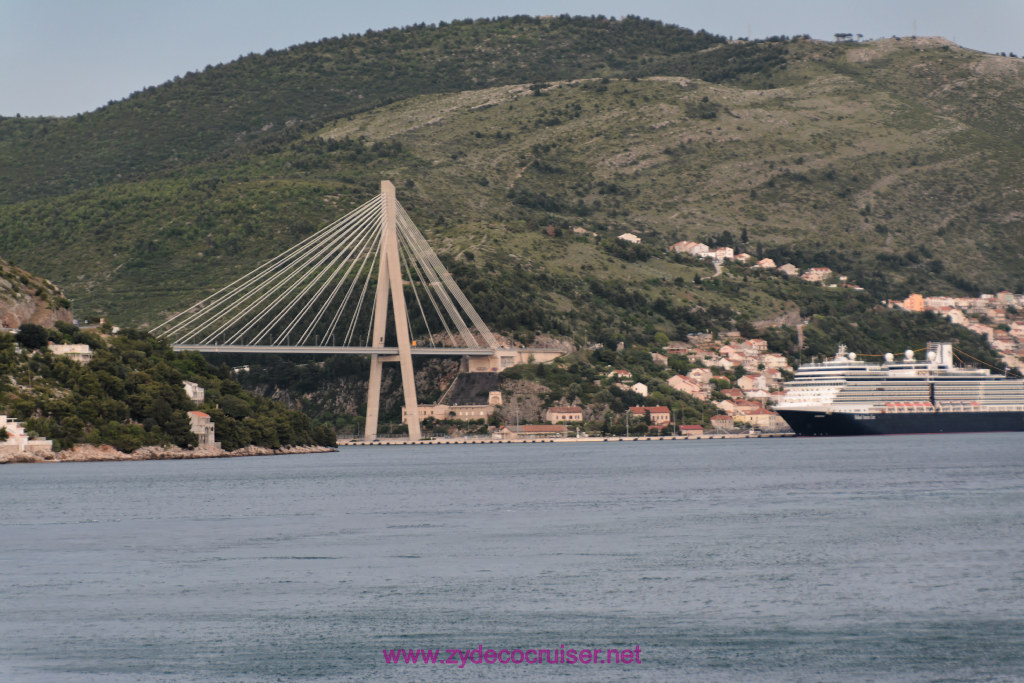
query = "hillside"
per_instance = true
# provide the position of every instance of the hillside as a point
(26, 298)
(131, 394)
(892, 162)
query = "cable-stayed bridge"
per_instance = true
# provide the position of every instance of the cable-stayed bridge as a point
(336, 292)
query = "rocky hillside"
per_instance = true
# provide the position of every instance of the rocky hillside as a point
(25, 298)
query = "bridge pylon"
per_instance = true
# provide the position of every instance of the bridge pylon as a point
(389, 286)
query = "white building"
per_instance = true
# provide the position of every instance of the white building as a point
(18, 439)
(195, 393)
(202, 426)
(76, 352)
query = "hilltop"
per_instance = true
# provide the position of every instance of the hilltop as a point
(892, 162)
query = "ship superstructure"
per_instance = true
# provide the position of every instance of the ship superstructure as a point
(844, 395)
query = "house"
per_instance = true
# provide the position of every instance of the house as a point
(533, 431)
(728, 350)
(775, 360)
(727, 406)
(751, 382)
(689, 386)
(660, 415)
(556, 414)
(677, 348)
(702, 375)
(760, 395)
(751, 363)
(195, 393)
(743, 257)
(721, 254)
(202, 426)
(659, 359)
(691, 430)
(80, 353)
(765, 263)
(765, 420)
(621, 374)
(682, 247)
(444, 411)
(17, 438)
(639, 388)
(629, 237)
(733, 394)
(817, 275)
(913, 303)
(722, 423)
(789, 269)
(692, 248)
(757, 345)
(744, 406)
(724, 363)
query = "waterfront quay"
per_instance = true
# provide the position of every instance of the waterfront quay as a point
(454, 440)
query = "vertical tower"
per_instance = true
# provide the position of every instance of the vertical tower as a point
(389, 282)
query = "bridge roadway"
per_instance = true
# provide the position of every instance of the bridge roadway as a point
(336, 350)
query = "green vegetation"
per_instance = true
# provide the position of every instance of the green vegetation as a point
(131, 394)
(886, 161)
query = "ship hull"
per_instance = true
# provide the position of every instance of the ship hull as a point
(820, 423)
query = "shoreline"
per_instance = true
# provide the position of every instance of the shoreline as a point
(105, 453)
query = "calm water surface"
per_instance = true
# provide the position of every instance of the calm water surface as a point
(878, 558)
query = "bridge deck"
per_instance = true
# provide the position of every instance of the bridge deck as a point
(336, 350)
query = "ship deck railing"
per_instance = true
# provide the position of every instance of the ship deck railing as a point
(951, 407)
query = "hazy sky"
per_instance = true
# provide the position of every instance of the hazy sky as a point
(62, 57)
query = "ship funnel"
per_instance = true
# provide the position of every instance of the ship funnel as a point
(941, 352)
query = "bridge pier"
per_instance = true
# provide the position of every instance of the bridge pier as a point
(389, 282)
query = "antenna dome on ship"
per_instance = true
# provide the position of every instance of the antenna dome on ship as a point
(888, 357)
(908, 354)
(852, 356)
(930, 355)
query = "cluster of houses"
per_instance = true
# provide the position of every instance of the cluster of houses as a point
(744, 403)
(824, 276)
(998, 317)
(701, 250)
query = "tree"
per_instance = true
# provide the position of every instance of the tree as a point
(32, 336)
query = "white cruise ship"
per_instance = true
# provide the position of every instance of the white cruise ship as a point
(845, 396)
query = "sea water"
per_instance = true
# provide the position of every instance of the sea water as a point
(874, 558)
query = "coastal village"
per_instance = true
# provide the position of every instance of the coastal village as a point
(737, 378)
